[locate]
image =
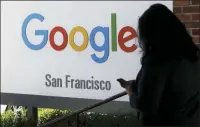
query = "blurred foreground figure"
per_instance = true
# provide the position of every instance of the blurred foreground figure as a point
(166, 91)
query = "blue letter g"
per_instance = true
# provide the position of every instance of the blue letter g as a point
(44, 33)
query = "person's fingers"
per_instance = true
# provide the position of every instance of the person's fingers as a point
(129, 92)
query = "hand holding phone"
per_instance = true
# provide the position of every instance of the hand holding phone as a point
(130, 85)
(123, 83)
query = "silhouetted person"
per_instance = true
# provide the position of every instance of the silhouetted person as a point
(166, 91)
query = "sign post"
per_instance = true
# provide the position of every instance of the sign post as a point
(33, 115)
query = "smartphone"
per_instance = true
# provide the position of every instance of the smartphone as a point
(131, 84)
(123, 83)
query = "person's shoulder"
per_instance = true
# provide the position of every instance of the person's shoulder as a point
(153, 60)
(156, 64)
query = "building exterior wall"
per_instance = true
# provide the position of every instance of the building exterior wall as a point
(188, 11)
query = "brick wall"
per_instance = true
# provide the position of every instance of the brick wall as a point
(188, 11)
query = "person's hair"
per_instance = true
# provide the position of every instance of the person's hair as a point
(162, 34)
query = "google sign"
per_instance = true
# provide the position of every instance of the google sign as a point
(69, 54)
(69, 37)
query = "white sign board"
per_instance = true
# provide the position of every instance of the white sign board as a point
(69, 49)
